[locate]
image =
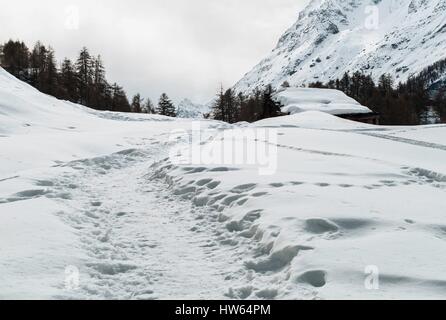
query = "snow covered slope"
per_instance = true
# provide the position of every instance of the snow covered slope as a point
(50, 129)
(97, 206)
(335, 102)
(354, 211)
(189, 110)
(52, 224)
(400, 37)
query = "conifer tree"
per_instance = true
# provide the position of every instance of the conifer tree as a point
(241, 102)
(219, 109)
(226, 107)
(99, 86)
(230, 106)
(385, 84)
(148, 107)
(49, 74)
(137, 104)
(440, 103)
(248, 108)
(14, 57)
(119, 101)
(166, 107)
(84, 70)
(37, 65)
(68, 82)
(271, 108)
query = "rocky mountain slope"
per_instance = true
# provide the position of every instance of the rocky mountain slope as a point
(400, 37)
(190, 110)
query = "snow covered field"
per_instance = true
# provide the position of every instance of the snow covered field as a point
(97, 206)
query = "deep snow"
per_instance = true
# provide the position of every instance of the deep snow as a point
(103, 194)
(335, 102)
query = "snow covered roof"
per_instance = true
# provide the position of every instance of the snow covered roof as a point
(335, 102)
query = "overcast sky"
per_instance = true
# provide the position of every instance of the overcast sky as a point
(183, 47)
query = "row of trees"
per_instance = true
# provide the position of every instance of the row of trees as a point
(82, 81)
(440, 103)
(403, 104)
(433, 78)
(233, 108)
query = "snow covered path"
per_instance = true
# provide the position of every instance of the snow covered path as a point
(142, 242)
(77, 193)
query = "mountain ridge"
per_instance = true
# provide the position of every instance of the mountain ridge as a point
(188, 109)
(331, 37)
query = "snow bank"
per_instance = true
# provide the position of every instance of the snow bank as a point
(23, 110)
(345, 201)
(311, 119)
(330, 101)
(32, 123)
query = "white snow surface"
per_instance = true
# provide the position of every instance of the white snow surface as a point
(101, 194)
(335, 102)
(331, 37)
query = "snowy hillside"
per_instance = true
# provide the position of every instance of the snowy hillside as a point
(335, 102)
(103, 206)
(347, 198)
(189, 110)
(400, 37)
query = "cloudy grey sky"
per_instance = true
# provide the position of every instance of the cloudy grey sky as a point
(183, 47)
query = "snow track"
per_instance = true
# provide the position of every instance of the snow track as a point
(408, 141)
(142, 242)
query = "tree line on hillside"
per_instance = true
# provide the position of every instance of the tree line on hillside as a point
(81, 81)
(403, 104)
(434, 79)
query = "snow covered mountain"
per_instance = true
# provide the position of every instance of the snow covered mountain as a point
(189, 110)
(400, 37)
